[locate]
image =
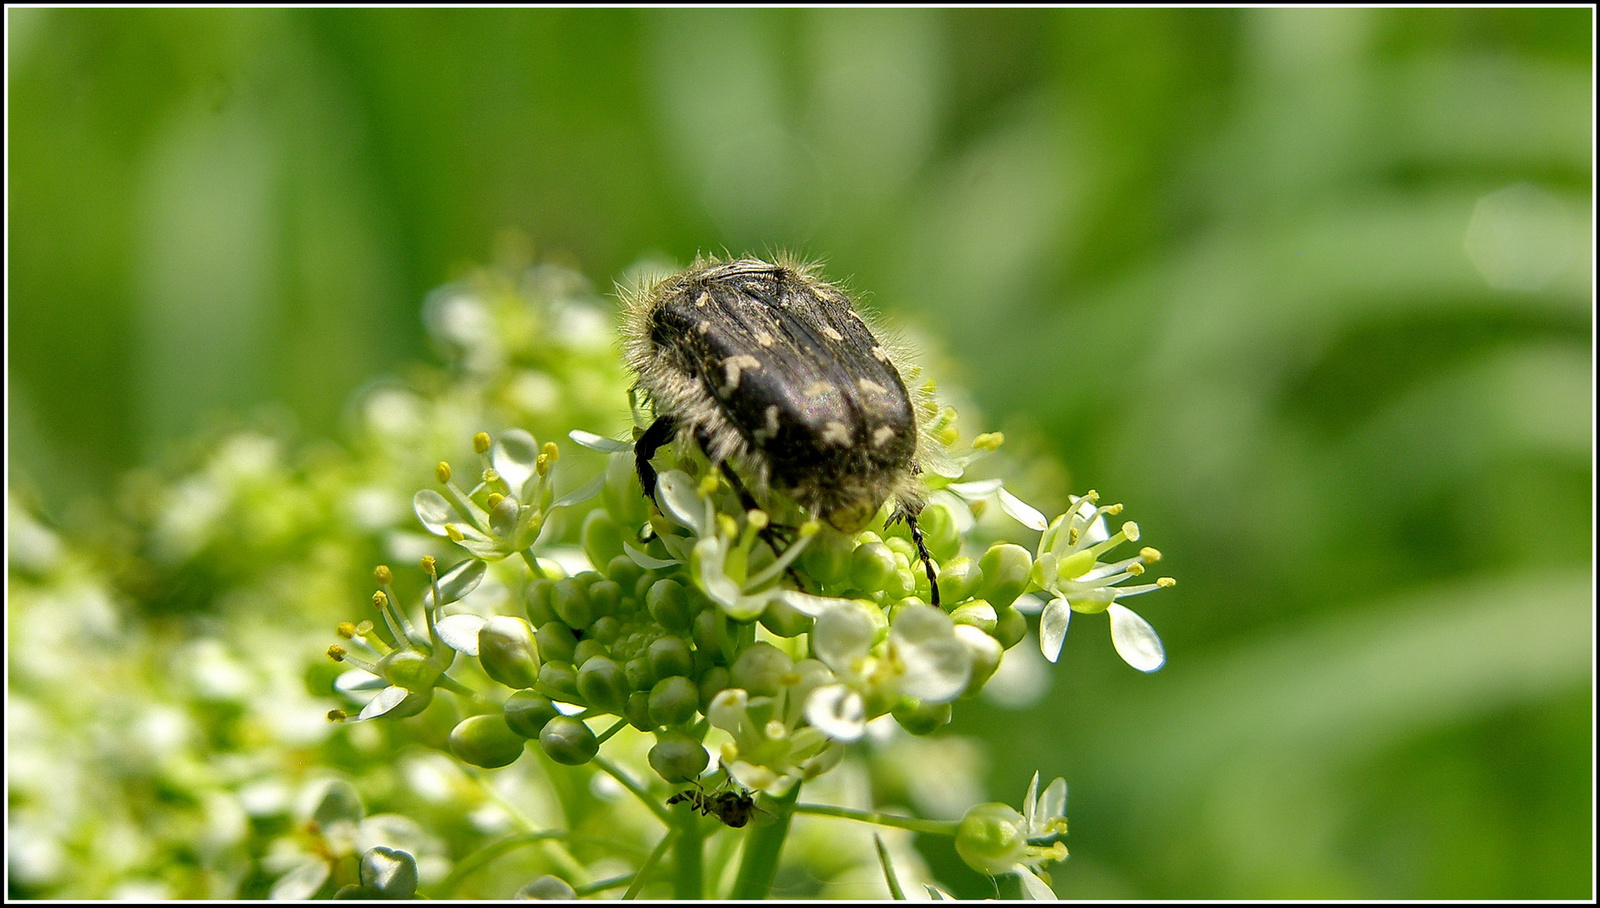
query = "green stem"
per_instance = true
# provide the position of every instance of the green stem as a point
(759, 866)
(649, 865)
(603, 885)
(936, 827)
(689, 853)
(469, 864)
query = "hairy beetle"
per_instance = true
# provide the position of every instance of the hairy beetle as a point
(772, 371)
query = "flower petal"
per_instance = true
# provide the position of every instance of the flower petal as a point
(679, 497)
(1029, 801)
(648, 562)
(1021, 511)
(433, 511)
(1053, 803)
(1035, 889)
(460, 632)
(515, 456)
(387, 699)
(841, 636)
(1135, 639)
(457, 582)
(1053, 623)
(583, 493)
(598, 442)
(837, 711)
(976, 489)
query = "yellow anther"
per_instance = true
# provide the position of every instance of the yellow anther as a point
(429, 565)
(541, 465)
(1165, 582)
(442, 472)
(380, 599)
(1136, 569)
(810, 528)
(491, 475)
(1112, 510)
(1131, 530)
(346, 629)
(336, 653)
(1150, 555)
(337, 715)
(494, 499)
(480, 442)
(988, 441)
(550, 450)
(383, 575)
(758, 519)
(708, 485)
(454, 533)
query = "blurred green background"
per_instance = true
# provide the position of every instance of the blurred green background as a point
(1310, 290)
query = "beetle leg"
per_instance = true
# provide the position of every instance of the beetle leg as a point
(659, 433)
(922, 552)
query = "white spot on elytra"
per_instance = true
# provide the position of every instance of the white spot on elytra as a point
(836, 433)
(765, 339)
(702, 301)
(880, 354)
(770, 431)
(830, 334)
(871, 387)
(819, 388)
(703, 327)
(732, 366)
(881, 436)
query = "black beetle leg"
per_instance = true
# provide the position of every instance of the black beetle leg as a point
(659, 433)
(922, 552)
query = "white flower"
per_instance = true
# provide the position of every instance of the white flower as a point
(922, 657)
(1068, 566)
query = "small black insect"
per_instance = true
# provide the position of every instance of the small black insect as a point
(771, 370)
(733, 808)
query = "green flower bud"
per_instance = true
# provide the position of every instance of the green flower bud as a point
(1010, 626)
(606, 629)
(340, 805)
(548, 889)
(538, 599)
(901, 545)
(760, 669)
(602, 537)
(872, 567)
(587, 649)
(977, 613)
(621, 495)
(602, 683)
(921, 718)
(783, 620)
(959, 579)
(637, 711)
(568, 741)
(389, 873)
(986, 654)
(678, 757)
(1005, 573)
(674, 701)
(410, 670)
(940, 532)
(668, 605)
(560, 677)
(506, 651)
(670, 656)
(605, 597)
(570, 601)
(991, 839)
(827, 559)
(706, 626)
(624, 572)
(486, 741)
(713, 681)
(639, 674)
(415, 702)
(555, 641)
(527, 712)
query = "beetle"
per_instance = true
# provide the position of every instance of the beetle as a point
(772, 371)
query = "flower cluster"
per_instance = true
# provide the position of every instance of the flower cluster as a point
(700, 622)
